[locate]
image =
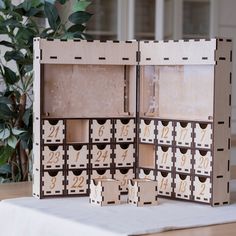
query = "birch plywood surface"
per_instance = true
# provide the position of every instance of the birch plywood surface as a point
(179, 92)
(83, 91)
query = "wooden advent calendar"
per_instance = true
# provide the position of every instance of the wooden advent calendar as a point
(151, 109)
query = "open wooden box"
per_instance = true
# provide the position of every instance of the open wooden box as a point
(149, 109)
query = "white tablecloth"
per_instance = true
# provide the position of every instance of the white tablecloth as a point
(75, 217)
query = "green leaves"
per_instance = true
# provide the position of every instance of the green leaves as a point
(79, 17)
(4, 134)
(76, 28)
(10, 76)
(6, 44)
(6, 113)
(52, 15)
(14, 55)
(12, 141)
(81, 5)
(2, 5)
(5, 153)
(62, 1)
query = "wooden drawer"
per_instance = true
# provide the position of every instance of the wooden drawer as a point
(77, 182)
(77, 156)
(53, 157)
(53, 131)
(124, 130)
(124, 155)
(53, 183)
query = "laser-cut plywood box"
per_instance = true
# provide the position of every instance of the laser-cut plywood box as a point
(104, 192)
(156, 110)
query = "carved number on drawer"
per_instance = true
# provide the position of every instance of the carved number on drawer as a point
(203, 186)
(78, 182)
(100, 131)
(204, 162)
(124, 131)
(53, 182)
(101, 156)
(53, 131)
(182, 186)
(164, 133)
(124, 181)
(164, 184)
(53, 157)
(183, 134)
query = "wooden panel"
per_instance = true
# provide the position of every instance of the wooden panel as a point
(36, 120)
(222, 129)
(147, 156)
(86, 91)
(77, 131)
(89, 52)
(180, 84)
(177, 52)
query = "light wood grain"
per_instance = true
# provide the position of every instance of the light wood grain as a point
(15, 190)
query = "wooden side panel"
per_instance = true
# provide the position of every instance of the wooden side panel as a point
(177, 52)
(89, 52)
(222, 123)
(36, 120)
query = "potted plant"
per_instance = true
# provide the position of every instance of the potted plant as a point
(19, 24)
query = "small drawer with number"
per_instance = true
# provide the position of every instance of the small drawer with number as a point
(182, 186)
(101, 156)
(164, 158)
(183, 160)
(101, 131)
(124, 175)
(165, 183)
(101, 174)
(147, 131)
(203, 162)
(124, 155)
(53, 183)
(77, 156)
(125, 130)
(165, 132)
(147, 174)
(77, 182)
(53, 131)
(53, 157)
(203, 135)
(184, 132)
(202, 189)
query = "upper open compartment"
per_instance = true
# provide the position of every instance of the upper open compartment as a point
(177, 79)
(87, 79)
